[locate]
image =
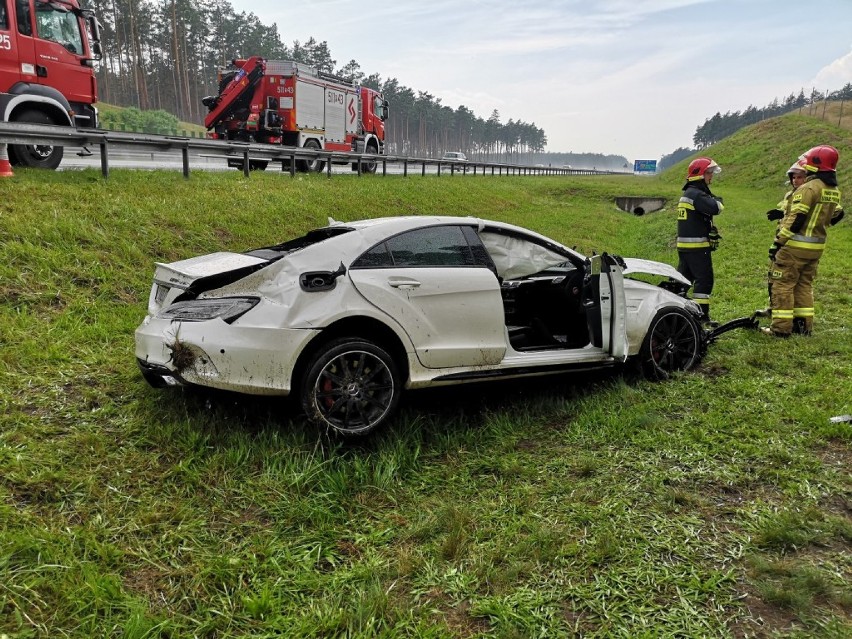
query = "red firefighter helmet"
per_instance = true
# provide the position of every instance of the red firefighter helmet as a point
(699, 166)
(820, 158)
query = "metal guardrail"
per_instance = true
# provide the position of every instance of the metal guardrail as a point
(248, 153)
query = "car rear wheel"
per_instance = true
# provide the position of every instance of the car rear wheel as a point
(39, 156)
(352, 387)
(673, 343)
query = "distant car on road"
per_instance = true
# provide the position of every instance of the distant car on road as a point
(454, 156)
(347, 316)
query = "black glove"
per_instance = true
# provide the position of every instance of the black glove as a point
(719, 199)
(713, 237)
(837, 218)
(774, 214)
(773, 250)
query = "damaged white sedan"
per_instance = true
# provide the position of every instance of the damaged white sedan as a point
(350, 315)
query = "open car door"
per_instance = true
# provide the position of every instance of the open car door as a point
(604, 303)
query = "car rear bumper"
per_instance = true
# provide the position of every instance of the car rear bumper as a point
(246, 359)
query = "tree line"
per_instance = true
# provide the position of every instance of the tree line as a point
(720, 126)
(165, 55)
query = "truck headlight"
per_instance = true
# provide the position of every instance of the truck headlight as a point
(226, 309)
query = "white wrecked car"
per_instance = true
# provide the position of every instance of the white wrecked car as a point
(349, 315)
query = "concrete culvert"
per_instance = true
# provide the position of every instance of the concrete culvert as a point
(640, 205)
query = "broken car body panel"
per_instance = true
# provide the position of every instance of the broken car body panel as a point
(454, 299)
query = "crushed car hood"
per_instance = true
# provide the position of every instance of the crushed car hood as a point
(222, 266)
(636, 265)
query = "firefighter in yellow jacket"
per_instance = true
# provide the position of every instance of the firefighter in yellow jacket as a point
(799, 243)
(796, 176)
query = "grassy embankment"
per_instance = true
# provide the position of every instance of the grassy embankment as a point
(714, 504)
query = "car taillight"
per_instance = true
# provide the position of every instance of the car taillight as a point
(160, 294)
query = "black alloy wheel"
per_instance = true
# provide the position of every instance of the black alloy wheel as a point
(673, 343)
(352, 387)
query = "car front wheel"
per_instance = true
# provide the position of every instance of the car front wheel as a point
(352, 387)
(673, 343)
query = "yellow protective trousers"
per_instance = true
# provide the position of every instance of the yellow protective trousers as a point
(791, 278)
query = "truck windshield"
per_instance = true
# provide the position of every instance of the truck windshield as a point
(59, 26)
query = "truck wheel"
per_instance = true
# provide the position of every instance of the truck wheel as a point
(39, 156)
(673, 343)
(351, 387)
(371, 165)
(311, 166)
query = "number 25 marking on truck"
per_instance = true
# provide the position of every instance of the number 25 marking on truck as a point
(5, 43)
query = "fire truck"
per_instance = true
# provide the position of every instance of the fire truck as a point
(47, 54)
(294, 104)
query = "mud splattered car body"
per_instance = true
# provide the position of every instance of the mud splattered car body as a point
(350, 315)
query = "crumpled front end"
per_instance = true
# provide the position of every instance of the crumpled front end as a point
(643, 302)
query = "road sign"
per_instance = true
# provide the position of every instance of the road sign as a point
(644, 166)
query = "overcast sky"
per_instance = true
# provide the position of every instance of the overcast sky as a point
(626, 77)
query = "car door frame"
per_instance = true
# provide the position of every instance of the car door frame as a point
(605, 304)
(453, 315)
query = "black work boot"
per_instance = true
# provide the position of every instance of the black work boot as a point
(800, 327)
(706, 322)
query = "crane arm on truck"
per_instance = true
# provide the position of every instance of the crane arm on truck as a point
(245, 79)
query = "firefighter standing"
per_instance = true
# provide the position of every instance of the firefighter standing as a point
(697, 237)
(796, 175)
(799, 243)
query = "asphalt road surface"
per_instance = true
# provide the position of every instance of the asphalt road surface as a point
(76, 158)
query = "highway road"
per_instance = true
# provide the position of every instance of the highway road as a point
(75, 158)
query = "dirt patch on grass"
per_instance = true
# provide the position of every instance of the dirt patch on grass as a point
(836, 454)
(760, 619)
(147, 581)
(462, 624)
(713, 371)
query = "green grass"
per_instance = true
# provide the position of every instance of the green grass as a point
(715, 504)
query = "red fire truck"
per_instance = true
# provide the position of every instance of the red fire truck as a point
(294, 104)
(47, 54)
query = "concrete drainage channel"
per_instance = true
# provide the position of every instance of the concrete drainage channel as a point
(640, 205)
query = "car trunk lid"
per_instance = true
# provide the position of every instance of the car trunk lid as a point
(185, 273)
(190, 277)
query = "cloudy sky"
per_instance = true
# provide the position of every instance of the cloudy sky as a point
(627, 77)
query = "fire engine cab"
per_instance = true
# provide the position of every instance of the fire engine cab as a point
(47, 54)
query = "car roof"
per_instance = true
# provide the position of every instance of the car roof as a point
(344, 247)
(375, 229)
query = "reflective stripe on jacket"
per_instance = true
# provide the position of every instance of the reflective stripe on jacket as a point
(817, 202)
(695, 212)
